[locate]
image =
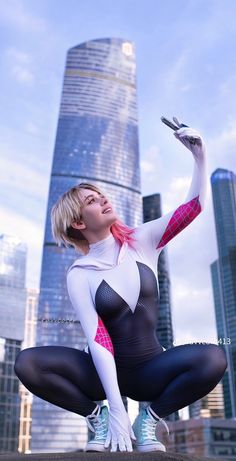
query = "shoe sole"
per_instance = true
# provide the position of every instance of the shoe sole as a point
(95, 447)
(145, 448)
(93, 450)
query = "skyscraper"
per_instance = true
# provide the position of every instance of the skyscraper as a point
(25, 394)
(152, 210)
(223, 273)
(12, 313)
(96, 141)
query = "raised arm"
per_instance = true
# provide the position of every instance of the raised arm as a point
(101, 349)
(158, 232)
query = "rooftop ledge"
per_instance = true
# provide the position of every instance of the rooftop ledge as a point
(108, 456)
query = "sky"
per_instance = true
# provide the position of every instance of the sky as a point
(186, 66)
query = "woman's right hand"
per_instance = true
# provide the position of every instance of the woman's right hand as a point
(191, 139)
(120, 431)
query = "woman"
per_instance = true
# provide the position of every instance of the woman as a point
(114, 291)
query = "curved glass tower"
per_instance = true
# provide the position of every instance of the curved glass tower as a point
(96, 141)
(223, 274)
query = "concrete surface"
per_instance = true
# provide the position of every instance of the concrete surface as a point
(82, 456)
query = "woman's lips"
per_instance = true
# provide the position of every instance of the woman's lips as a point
(107, 210)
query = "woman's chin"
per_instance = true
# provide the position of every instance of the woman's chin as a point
(111, 216)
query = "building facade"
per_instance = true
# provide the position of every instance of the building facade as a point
(152, 210)
(203, 437)
(209, 406)
(12, 312)
(26, 398)
(223, 274)
(97, 142)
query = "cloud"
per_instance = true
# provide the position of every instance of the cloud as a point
(146, 167)
(151, 170)
(193, 312)
(221, 147)
(176, 74)
(22, 75)
(20, 65)
(14, 13)
(176, 193)
(15, 175)
(18, 56)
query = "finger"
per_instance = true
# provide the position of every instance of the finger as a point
(114, 445)
(128, 444)
(121, 443)
(188, 137)
(187, 132)
(176, 121)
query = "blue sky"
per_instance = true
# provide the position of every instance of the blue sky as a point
(186, 67)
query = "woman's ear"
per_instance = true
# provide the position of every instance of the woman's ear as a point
(79, 225)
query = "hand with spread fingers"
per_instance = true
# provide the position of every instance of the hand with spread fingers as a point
(120, 431)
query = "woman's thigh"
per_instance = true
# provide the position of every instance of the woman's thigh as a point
(76, 366)
(150, 380)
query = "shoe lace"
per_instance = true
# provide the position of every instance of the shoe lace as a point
(97, 424)
(150, 412)
(149, 428)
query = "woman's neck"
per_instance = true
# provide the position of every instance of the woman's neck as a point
(102, 242)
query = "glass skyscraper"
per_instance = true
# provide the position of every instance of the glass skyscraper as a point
(223, 273)
(152, 210)
(12, 314)
(97, 142)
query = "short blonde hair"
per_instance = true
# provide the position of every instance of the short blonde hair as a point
(66, 210)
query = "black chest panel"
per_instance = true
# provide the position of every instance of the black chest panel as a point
(133, 334)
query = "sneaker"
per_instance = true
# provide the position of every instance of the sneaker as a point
(144, 428)
(98, 424)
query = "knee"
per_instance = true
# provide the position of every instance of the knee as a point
(215, 360)
(24, 363)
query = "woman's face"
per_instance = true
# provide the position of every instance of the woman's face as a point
(96, 211)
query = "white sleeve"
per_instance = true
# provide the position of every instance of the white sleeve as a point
(99, 341)
(155, 234)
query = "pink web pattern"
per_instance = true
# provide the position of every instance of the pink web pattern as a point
(181, 218)
(102, 337)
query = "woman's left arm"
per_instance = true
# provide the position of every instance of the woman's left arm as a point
(157, 233)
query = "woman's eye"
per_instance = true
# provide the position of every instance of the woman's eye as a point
(91, 200)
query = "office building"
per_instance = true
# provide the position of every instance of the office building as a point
(26, 398)
(203, 437)
(210, 406)
(223, 274)
(152, 210)
(12, 313)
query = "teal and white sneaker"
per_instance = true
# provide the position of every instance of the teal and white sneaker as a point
(98, 424)
(144, 428)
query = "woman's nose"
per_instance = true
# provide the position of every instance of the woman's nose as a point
(103, 200)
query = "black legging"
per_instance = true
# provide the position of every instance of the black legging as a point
(172, 380)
